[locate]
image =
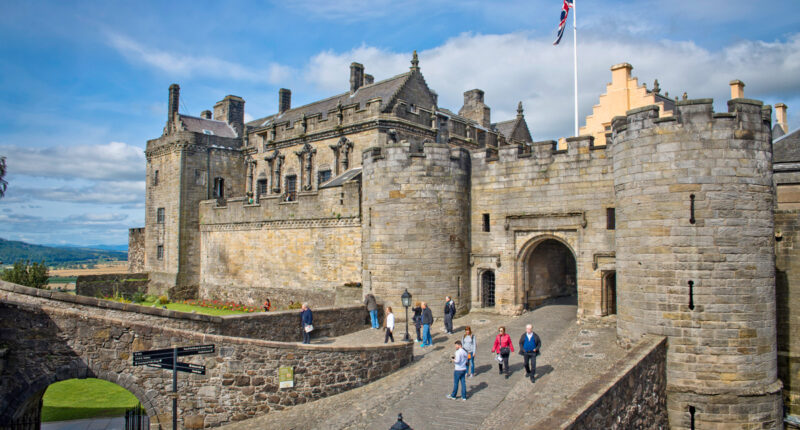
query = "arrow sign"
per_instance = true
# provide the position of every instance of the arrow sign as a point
(180, 367)
(157, 354)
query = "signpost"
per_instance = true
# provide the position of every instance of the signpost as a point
(168, 359)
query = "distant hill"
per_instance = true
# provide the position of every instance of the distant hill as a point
(11, 251)
(123, 248)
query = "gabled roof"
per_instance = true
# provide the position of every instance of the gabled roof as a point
(386, 90)
(207, 126)
(516, 128)
(786, 148)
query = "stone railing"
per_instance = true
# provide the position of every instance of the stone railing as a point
(632, 394)
(282, 326)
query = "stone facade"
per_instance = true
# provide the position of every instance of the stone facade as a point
(632, 395)
(136, 254)
(50, 341)
(111, 285)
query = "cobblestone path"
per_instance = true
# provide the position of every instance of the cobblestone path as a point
(571, 355)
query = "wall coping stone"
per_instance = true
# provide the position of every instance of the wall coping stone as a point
(694, 102)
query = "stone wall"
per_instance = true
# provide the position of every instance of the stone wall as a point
(531, 194)
(136, 254)
(111, 285)
(695, 256)
(49, 343)
(283, 326)
(632, 394)
(787, 295)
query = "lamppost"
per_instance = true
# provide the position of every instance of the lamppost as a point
(406, 298)
(400, 424)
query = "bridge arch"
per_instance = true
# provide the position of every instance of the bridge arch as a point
(546, 267)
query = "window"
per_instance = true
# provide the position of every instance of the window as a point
(155, 178)
(160, 252)
(261, 187)
(291, 186)
(160, 216)
(611, 219)
(486, 222)
(208, 132)
(219, 188)
(323, 176)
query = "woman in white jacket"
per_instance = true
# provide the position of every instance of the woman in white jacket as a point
(389, 324)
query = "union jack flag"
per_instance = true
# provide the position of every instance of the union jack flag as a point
(563, 23)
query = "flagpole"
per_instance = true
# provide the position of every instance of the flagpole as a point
(575, 59)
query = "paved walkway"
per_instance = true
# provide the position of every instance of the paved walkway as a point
(571, 355)
(113, 423)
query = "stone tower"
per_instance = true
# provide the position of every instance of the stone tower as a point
(695, 259)
(416, 224)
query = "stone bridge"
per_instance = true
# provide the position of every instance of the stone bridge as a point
(46, 337)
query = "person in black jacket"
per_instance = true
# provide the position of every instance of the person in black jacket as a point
(427, 320)
(418, 319)
(449, 313)
(307, 321)
(529, 344)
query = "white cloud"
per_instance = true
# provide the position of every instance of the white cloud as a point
(104, 192)
(187, 65)
(115, 161)
(515, 67)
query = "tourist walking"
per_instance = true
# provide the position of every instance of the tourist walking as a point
(459, 370)
(470, 346)
(307, 321)
(389, 325)
(449, 313)
(372, 307)
(503, 346)
(529, 344)
(427, 320)
(418, 320)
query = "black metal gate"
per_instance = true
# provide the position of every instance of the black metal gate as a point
(487, 282)
(136, 418)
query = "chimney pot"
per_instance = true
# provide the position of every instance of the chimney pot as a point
(369, 79)
(737, 89)
(284, 100)
(356, 76)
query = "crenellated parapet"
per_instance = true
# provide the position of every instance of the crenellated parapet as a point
(695, 258)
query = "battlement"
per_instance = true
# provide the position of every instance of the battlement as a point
(405, 152)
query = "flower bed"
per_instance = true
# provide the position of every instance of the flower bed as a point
(221, 305)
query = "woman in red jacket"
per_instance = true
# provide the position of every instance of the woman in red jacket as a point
(503, 346)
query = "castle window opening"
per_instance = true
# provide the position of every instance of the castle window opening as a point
(611, 219)
(160, 216)
(323, 176)
(261, 186)
(487, 289)
(155, 178)
(486, 222)
(219, 188)
(291, 188)
(160, 252)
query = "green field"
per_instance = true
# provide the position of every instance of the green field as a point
(62, 279)
(189, 308)
(76, 399)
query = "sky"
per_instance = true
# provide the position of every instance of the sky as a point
(83, 85)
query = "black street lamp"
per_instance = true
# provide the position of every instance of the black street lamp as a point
(400, 424)
(406, 298)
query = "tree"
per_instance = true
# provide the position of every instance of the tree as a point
(24, 273)
(3, 182)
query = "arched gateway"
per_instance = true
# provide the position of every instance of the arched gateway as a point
(547, 270)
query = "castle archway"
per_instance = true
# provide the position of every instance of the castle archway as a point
(487, 289)
(549, 270)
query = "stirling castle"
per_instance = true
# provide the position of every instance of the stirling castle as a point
(664, 215)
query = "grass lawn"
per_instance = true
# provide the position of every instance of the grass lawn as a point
(75, 399)
(198, 309)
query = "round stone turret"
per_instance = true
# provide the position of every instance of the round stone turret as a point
(695, 259)
(416, 224)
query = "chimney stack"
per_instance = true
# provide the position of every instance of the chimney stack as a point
(780, 117)
(356, 76)
(369, 79)
(737, 89)
(284, 100)
(206, 114)
(621, 74)
(231, 110)
(174, 100)
(475, 109)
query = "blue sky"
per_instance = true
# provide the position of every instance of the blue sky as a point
(83, 85)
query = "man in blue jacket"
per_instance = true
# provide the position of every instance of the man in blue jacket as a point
(307, 321)
(529, 345)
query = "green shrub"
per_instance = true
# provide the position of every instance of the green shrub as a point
(138, 297)
(295, 305)
(26, 273)
(163, 300)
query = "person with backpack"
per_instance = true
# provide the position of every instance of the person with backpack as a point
(417, 309)
(427, 320)
(372, 307)
(503, 346)
(470, 345)
(529, 344)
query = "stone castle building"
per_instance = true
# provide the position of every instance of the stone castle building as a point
(662, 212)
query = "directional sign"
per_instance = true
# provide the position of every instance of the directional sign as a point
(181, 367)
(167, 352)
